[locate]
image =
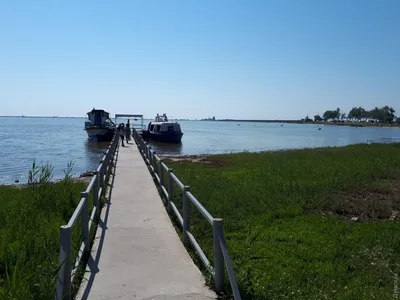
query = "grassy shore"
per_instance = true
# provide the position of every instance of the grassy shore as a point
(288, 219)
(30, 218)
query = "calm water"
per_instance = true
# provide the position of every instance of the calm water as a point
(60, 140)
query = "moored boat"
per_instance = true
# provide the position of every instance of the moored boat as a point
(99, 127)
(162, 130)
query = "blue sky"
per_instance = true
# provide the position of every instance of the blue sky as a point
(194, 59)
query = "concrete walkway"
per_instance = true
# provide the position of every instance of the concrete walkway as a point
(137, 253)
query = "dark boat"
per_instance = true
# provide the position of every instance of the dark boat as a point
(99, 127)
(161, 130)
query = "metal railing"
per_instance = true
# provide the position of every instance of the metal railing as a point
(98, 187)
(221, 255)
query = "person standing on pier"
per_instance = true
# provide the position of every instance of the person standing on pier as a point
(121, 131)
(128, 132)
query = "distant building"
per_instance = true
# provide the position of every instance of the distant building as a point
(208, 119)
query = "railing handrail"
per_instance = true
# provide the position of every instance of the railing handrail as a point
(221, 255)
(97, 184)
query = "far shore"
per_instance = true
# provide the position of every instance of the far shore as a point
(340, 123)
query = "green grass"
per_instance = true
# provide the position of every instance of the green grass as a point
(30, 218)
(287, 219)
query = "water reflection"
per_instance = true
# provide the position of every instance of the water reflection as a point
(94, 152)
(166, 148)
(96, 147)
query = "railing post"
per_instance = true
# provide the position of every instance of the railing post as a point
(105, 163)
(101, 175)
(64, 273)
(218, 256)
(161, 172)
(116, 141)
(149, 154)
(154, 162)
(170, 189)
(85, 222)
(141, 144)
(108, 165)
(186, 213)
(108, 151)
(96, 195)
(108, 157)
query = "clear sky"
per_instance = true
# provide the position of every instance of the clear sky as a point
(197, 58)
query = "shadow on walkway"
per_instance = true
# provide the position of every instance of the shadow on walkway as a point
(93, 263)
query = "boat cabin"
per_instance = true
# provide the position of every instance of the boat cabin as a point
(98, 117)
(161, 125)
(156, 127)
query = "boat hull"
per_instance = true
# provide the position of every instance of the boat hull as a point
(100, 134)
(166, 137)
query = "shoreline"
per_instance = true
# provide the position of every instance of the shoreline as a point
(200, 156)
(351, 124)
(85, 177)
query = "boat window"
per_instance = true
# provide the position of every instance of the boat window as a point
(158, 128)
(98, 118)
(152, 128)
(171, 128)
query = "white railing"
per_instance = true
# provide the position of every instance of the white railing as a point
(98, 187)
(221, 255)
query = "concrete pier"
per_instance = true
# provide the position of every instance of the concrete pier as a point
(137, 253)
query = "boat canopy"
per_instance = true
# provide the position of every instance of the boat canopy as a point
(136, 126)
(127, 116)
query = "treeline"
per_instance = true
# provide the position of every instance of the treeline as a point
(384, 114)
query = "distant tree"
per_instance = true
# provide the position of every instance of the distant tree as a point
(358, 113)
(343, 116)
(331, 114)
(389, 114)
(327, 115)
(307, 119)
(384, 114)
(318, 118)
(375, 114)
(351, 114)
